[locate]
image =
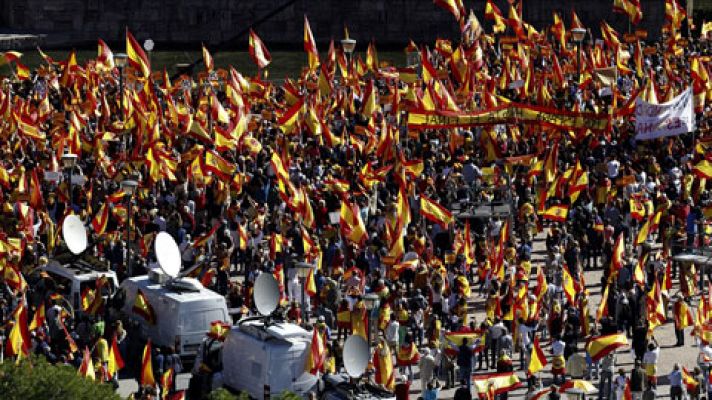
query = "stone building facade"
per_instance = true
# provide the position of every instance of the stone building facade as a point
(176, 22)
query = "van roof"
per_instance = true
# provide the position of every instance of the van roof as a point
(281, 331)
(146, 285)
(80, 270)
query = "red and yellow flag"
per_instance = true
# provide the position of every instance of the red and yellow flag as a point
(500, 382)
(208, 60)
(569, 285)
(537, 360)
(557, 213)
(310, 46)
(631, 8)
(101, 219)
(86, 369)
(316, 354)
(143, 308)
(600, 346)
(258, 51)
(146, 378)
(136, 56)
(115, 361)
(383, 364)
(434, 212)
(39, 318)
(18, 342)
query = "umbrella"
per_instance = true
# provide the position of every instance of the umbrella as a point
(578, 384)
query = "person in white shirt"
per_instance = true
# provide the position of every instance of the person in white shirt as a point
(650, 362)
(619, 384)
(392, 333)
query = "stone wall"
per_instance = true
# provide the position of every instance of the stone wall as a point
(391, 22)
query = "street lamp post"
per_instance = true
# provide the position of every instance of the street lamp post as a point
(303, 271)
(120, 60)
(129, 187)
(349, 45)
(69, 160)
(577, 34)
(372, 302)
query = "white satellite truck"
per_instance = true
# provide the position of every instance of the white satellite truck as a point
(183, 307)
(76, 271)
(264, 358)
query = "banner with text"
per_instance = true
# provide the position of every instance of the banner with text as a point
(668, 119)
(507, 114)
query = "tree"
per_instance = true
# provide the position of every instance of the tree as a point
(37, 379)
(224, 394)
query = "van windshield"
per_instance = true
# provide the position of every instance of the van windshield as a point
(199, 321)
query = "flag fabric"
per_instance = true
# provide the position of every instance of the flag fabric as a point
(219, 330)
(146, 377)
(453, 341)
(38, 319)
(143, 308)
(204, 239)
(86, 369)
(101, 219)
(310, 46)
(602, 309)
(208, 60)
(434, 212)
(682, 314)
(352, 226)
(455, 7)
(18, 341)
(631, 8)
(600, 346)
(618, 254)
(258, 51)
(569, 285)
(136, 56)
(383, 364)
(115, 361)
(493, 13)
(105, 56)
(556, 213)
(537, 359)
(703, 169)
(316, 354)
(501, 382)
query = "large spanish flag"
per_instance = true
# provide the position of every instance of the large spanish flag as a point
(115, 361)
(537, 360)
(147, 378)
(316, 354)
(137, 57)
(501, 382)
(383, 364)
(556, 213)
(600, 346)
(453, 341)
(703, 169)
(143, 308)
(435, 212)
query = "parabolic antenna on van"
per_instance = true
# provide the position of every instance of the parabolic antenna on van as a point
(168, 254)
(266, 293)
(355, 355)
(74, 234)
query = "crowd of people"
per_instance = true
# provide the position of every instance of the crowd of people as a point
(251, 176)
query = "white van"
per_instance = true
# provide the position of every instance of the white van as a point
(264, 360)
(74, 277)
(184, 310)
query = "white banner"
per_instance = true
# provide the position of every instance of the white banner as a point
(668, 119)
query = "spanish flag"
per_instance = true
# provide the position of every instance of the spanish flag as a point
(683, 315)
(143, 308)
(537, 360)
(569, 285)
(383, 364)
(453, 341)
(208, 60)
(600, 346)
(222, 168)
(556, 213)
(435, 212)
(86, 369)
(455, 7)
(18, 342)
(631, 8)
(618, 254)
(493, 13)
(258, 51)
(146, 378)
(39, 318)
(352, 226)
(115, 361)
(36, 200)
(316, 354)
(202, 240)
(101, 219)
(310, 46)
(501, 382)
(703, 169)
(408, 355)
(602, 309)
(137, 57)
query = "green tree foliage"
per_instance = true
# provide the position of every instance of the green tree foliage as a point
(38, 379)
(223, 394)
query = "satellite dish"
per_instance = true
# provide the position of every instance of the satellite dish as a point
(74, 234)
(356, 355)
(266, 293)
(168, 254)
